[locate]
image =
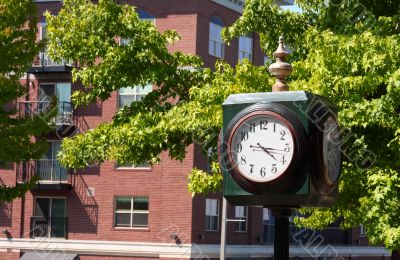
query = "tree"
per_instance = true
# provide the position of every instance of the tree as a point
(345, 50)
(18, 47)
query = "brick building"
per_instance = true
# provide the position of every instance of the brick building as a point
(136, 211)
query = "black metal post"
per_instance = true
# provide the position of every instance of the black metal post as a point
(281, 241)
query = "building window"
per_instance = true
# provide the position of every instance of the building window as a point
(123, 166)
(245, 48)
(50, 218)
(130, 94)
(241, 214)
(216, 45)
(362, 231)
(131, 212)
(146, 16)
(143, 15)
(212, 213)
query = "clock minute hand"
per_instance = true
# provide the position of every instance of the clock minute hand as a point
(265, 150)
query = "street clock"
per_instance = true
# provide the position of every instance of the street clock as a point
(263, 144)
(280, 149)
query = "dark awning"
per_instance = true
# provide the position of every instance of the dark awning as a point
(43, 255)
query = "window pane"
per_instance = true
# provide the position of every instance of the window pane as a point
(218, 51)
(144, 90)
(239, 211)
(133, 166)
(145, 15)
(126, 100)
(215, 45)
(122, 219)
(123, 203)
(211, 207)
(128, 90)
(211, 223)
(124, 165)
(211, 47)
(240, 226)
(125, 41)
(142, 165)
(214, 223)
(43, 31)
(141, 204)
(139, 97)
(140, 219)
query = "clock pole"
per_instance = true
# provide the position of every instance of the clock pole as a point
(281, 69)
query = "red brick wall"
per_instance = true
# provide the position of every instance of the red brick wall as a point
(171, 207)
(9, 255)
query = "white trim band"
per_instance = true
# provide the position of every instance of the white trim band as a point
(169, 250)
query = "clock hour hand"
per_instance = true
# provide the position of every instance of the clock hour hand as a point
(264, 149)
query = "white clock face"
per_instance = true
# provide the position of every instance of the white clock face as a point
(262, 147)
(331, 150)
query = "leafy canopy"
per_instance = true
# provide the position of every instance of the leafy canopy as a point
(18, 48)
(349, 52)
(347, 55)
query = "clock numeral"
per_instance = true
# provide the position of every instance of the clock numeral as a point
(283, 161)
(287, 148)
(263, 125)
(244, 136)
(251, 168)
(239, 148)
(274, 127)
(243, 160)
(283, 133)
(262, 172)
(274, 169)
(252, 127)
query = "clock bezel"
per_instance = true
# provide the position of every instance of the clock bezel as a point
(321, 175)
(278, 117)
(294, 175)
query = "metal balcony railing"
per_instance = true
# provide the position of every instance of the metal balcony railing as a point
(43, 108)
(49, 171)
(51, 227)
(43, 59)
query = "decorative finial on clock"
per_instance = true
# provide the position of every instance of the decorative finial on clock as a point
(280, 69)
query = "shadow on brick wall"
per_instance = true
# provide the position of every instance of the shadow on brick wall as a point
(84, 210)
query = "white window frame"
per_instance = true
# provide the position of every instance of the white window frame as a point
(132, 166)
(238, 224)
(131, 212)
(244, 52)
(212, 215)
(214, 41)
(135, 94)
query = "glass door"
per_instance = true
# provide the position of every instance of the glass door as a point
(40, 221)
(49, 168)
(58, 218)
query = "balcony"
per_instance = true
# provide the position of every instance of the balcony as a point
(44, 64)
(49, 227)
(52, 176)
(64, 116)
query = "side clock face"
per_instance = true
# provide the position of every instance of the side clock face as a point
(261, 146)
(332, 155)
